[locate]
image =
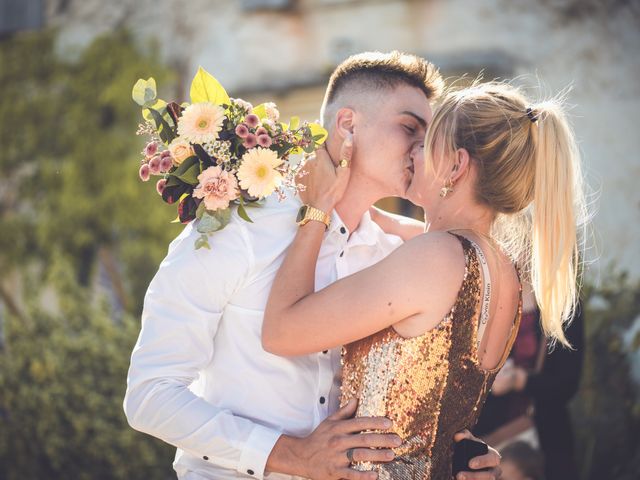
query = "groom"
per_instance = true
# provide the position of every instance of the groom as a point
(199, 378)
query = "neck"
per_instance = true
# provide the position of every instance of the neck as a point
(461, 216)
(358, 198)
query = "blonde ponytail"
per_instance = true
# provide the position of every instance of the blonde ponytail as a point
(529, 173)
(557, 208)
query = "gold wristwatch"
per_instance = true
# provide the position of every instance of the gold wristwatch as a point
(308, 213)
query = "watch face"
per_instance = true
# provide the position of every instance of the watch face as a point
(301, 213)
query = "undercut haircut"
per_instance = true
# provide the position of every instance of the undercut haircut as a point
(377, 71)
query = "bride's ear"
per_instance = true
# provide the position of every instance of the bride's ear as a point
(345, 122)
(461, 164)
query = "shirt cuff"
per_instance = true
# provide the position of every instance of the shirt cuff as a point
(256, 451)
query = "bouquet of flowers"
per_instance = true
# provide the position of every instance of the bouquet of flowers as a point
(218, 152)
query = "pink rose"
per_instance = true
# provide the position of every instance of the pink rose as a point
(217, 188)
(264, 141)
(251, 141)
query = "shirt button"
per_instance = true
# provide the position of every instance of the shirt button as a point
(322, 400)
(342, 253)
(250, 472)
(343, 230)
(205, 457)
(325, 351)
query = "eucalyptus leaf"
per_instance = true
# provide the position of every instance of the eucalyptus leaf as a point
(202, 242)
(209, 223)
(200, 211)
(205, 88)
(144, 92)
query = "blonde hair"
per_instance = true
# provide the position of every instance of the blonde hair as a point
(529, 173)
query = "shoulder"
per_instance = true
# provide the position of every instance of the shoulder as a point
(436, 248)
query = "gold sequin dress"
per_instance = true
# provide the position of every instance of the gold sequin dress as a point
(430, 386)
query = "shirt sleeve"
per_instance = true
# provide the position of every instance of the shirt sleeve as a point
(182, 310)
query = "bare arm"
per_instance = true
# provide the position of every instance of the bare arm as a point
(298, 321)
(399, 225)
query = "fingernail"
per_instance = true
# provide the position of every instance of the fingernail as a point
(473, 464)
(397, 441)
(462, 476)
(387, 423)
(390, 455)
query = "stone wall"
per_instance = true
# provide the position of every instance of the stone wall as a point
(285, 53)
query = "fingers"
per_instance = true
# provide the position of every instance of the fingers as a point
(372, 440)
(461, 435)
(489, 460)
(348, 411)
(361, 424)
(351, 474)
(373, 455)
(491, 475)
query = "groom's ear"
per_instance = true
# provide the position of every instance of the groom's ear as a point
(345, 122)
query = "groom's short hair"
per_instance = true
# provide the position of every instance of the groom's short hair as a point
(372, 71)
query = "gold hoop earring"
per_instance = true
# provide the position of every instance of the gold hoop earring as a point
(447, 189)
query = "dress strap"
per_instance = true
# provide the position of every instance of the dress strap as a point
(486, 294)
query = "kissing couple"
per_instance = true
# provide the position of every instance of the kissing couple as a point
(355, 344)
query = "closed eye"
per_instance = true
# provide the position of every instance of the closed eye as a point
(410, 130)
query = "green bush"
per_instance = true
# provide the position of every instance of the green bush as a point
(606, 411)
(70, 200)
(62, 379)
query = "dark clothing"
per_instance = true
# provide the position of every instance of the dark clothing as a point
(550, 390)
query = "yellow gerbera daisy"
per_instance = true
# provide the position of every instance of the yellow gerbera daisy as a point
(257, 173)
(201, 122)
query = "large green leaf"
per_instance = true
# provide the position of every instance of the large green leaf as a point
(144, 92)
(160, 106)
(205, 88)
(260, 111)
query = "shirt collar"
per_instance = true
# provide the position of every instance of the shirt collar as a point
(366, 233)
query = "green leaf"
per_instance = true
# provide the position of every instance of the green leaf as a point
(186, 165)
(160, 106)
(202, 242)
(318, 131)
(200, 211)
(208, 223)
(164, 130)
(144, 92)
(242, 212)
(190, 175)
(205, 88)
(294, 123)
(260, 111)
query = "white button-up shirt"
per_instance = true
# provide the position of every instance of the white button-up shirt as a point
(199, 378)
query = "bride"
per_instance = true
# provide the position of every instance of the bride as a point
(426, 329)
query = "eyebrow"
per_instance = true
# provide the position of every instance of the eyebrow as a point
(418, 118)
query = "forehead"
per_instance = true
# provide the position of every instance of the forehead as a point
(405, 98)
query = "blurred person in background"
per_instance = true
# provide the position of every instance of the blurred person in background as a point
(520, 461)
(530, 396)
